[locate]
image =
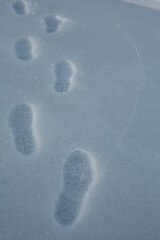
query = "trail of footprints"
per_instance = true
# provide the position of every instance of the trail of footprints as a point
(52, 23)
(20, 7)
(20, 122)
(24, 49)
(78, 172)
(77, 178)
(63, 72)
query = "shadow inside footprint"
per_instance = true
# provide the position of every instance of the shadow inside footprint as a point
(77, 178)
(19, 7)
(20, 122)
(23, 49)
(63, 72)
(51, 24)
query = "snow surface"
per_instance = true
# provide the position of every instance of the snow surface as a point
(79, 78)
(155, 4)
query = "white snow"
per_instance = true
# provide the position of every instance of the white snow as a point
(105, 56)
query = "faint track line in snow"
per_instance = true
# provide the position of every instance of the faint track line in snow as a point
(139, 88)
